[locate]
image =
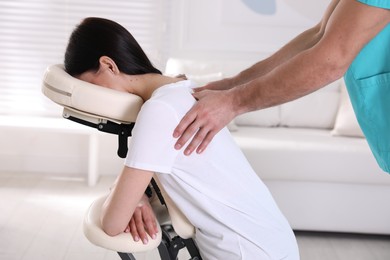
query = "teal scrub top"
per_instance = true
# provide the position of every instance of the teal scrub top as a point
(368, 84)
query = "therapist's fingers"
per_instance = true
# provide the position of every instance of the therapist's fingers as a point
(206, 141)
(186, 128)
(190, 123)
(194, 124)
(200, 141)
(204, 120)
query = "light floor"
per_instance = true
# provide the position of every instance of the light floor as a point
(41, 218)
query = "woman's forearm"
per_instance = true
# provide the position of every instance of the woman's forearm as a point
(123, 199)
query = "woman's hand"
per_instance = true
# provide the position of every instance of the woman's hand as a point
(143, 222)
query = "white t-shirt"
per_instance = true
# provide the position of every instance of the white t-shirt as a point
(234, 214)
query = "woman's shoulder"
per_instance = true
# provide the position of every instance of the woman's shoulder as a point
(177, 96)
(179, 88)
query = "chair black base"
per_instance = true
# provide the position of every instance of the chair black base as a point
(170, 246)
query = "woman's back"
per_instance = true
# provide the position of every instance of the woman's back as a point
(233, 212)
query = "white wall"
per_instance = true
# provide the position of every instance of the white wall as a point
(235, 29)
(201, 29)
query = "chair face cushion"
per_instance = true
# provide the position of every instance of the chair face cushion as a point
(71, 92)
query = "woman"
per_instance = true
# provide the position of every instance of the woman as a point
(233, 212)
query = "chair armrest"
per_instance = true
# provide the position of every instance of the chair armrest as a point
(121, 243)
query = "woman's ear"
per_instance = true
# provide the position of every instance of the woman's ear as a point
(106, 62)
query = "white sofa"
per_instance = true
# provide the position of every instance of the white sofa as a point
(310, 153)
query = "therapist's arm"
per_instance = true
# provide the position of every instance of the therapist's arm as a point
(302, 42)
(124, 199)
(350, 26)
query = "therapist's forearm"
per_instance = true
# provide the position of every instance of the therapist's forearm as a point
(351, 26)
(297, 77)
(302, 42)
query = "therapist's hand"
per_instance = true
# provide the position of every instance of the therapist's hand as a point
(143, 222)
(212, 112)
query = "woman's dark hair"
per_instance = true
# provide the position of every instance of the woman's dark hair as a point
(96, 37)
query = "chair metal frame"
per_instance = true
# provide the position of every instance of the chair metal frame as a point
(71, 93)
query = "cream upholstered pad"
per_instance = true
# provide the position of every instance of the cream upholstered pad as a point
(93, 103)
(88, 98)
(124, 242)
(121, 243)
(180, 223)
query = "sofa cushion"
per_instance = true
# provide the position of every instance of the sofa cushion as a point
(294, 154)
(346, 123)
(317, 110)
(203, 79)
(265, 117)
(196, 68)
